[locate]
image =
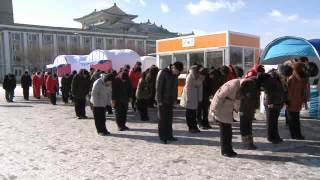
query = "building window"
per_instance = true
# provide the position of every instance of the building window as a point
(151, 47)
(183, 59)
(120, 44)
(197, 58)
(131, 44)
(62, 44)
(214, 59)
(248, 59)
(140, 47)
(99, 43)
(109, 44)
(236, 56)
(165, 61)
(61, 39)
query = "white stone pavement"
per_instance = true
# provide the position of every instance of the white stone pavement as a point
(41, 141)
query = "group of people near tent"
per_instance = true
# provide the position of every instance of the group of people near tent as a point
(216, 91)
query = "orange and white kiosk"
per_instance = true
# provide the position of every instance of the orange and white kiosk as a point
(214, 49)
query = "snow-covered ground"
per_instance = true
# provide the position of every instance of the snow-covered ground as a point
(41, 141)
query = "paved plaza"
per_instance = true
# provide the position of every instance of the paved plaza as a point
(41, 141)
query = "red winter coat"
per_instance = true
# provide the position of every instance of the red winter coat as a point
(134, 78)
(51, 85)
(36, 83)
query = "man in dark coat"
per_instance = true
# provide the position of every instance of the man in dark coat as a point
(166, 97)
(80, 89)
(65, 87)
(9, 85)
(26, 83)
(121, 95)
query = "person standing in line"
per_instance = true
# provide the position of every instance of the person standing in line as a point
(192, 97)
(80, 89)
(51, 88)
(134, 76)
(143, 94)
(224, 103)
(166, 97)
(65, 87)
(44, 80)
(297, 96)
(101, 96)
(74, 73)
(153, 76)
(9, 85)
(37, 83)
(26, 83)
(121, 96)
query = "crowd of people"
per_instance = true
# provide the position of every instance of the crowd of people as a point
(218, 91)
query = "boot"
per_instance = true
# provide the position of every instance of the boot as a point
(248, 142)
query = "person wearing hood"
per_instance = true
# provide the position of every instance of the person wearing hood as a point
(258, 68)
(9, 85)
(101, 96)
(191, 97)
(26, 83)
(224, 103)
(166, 97)
(121, 96)
(134, 76)
(297, 96)
(37, 83)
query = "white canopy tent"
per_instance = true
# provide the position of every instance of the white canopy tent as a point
(76, 62)
(118, 57)
(148, 61)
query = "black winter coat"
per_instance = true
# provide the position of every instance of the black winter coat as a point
(80, 87)
(166, 87)
(26, 81)
(121, 90)
(66, 84)
(9, 83)
(274, 90)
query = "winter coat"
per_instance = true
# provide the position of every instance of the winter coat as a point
(121, 89)
(51, 85)
(134, 78)
(166, 87)
(250, 102)
(80, 87)
(253, 71)
(296, 93)
(9, 83)
(224, 101)
(26, 81)
(66, 84)
(192, 92)
(101, 95)
(144, 89)
(37, 81)
(274, 91)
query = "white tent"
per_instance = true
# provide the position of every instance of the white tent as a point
(76, 62)
(119, 58)
(148, 61)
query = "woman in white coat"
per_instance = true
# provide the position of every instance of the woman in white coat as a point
(101, 97)
(224, 103)
(191, 97)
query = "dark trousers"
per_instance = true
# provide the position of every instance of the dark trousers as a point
(142, 106)
(225, 137)
(99, 114)
(246, 124)
(9, 95)
(121, 110)
(134, 99)
(109, 109)
(80, 107)
(191, 116)
(65, 96)
(53, 98)
(44, 91)
(202, 113)
(26, 93)
(294, 124)
(272, 115)
(165, 113)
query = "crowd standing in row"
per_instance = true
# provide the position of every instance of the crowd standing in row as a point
(219, 91)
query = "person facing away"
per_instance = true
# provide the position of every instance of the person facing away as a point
(51, 86)
(26, 83)
(65, 87)
(9, 85)
(191, 97)
(80, 89)
(37, 83)
(143, 95)
(134, 76)
(101, 96)
(224, 103)
(166, 97)
(121, 96)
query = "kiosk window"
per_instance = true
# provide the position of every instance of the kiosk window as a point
(165, 61)
(248, 59)
(183, 59)
(236, 56)
(214, 59)
(197, 58)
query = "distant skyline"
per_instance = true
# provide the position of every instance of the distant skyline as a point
(267, 19)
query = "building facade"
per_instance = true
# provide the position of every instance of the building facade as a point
(31, 47)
